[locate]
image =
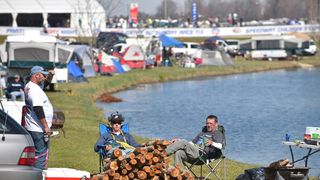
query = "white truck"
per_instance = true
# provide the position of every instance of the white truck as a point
(188, 49)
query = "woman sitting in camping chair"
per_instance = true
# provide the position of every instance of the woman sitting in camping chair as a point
(115, 137)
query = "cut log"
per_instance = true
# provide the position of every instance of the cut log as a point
(149, 148)
(148, 156)
(147, 169)
(124, 177)
(112, 165)
(141, 175)
(116, 153)
(155, 178)
(116, 176)
(155, 160)
(124, 171)
(173, 171)
(131, 155)
(131, 175)
(110, 172)
(133, 162)
(97, 177)
(128, 167)
(165, 142)
(105, 177)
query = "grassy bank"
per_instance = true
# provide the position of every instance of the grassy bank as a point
(77, 101)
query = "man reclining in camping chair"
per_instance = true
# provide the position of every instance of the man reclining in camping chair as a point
(206, 145)
(115, 138)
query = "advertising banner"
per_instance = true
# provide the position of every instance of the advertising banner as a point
(194, 13)
(134, 12)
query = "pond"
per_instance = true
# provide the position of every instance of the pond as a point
(257, 110)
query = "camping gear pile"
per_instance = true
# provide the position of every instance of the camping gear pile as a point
(150, 162)
(312, 135)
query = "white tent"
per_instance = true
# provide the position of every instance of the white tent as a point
(87, 15)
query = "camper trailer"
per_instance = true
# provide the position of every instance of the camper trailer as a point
(272, 47)
(20, 53)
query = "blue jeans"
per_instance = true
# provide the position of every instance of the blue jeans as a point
(16, 94)
(42, 149)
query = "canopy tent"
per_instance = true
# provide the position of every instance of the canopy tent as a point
(170, 42)
(215, 58)
(214, 38)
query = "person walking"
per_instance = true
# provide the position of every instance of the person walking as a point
(39, 114)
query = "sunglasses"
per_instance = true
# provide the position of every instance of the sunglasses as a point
(117, 123)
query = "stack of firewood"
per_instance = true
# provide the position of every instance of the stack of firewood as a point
(150, 162)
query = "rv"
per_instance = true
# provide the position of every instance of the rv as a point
(20, 53)
(272, 47)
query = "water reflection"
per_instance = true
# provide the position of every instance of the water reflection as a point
(257, 109)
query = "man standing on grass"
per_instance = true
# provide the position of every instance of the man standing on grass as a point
(39, 114)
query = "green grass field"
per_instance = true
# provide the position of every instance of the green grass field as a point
(77, 101)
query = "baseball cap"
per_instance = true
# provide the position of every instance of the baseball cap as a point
(116, 117)
(38, 69)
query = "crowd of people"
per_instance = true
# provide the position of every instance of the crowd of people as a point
(210, 22)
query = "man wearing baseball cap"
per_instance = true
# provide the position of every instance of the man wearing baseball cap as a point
(115, 137)
(39, 113)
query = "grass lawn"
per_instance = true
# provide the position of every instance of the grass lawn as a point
(77, 101)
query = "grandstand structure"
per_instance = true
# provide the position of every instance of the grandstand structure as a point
(83, 15)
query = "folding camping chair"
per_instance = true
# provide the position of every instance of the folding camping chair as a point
(211, 164)
(104, 128)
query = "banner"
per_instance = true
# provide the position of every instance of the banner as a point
(194, 13)
(177, 32)
(134, 12)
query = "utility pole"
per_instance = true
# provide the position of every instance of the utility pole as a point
(165, 9)
(318, 12)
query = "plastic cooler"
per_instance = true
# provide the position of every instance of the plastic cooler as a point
(65, 174)
(295, 173)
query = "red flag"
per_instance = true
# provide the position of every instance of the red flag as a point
(134, 12)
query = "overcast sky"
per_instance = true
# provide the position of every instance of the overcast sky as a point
(148, 6)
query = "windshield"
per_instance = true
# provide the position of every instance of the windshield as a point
(232, 42)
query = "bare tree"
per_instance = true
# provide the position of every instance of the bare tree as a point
(167, 8)
(111, 6)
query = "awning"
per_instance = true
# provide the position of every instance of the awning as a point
(170, 42)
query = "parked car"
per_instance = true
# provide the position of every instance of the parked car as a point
(106, 40)
(189, 48)
(17, 152)
(233, 47)
(312, 48)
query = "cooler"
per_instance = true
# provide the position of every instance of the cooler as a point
(65, 174)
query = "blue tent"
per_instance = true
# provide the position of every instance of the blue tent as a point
(170, 42)
(75, 73)
(214, 38)
(118, 66)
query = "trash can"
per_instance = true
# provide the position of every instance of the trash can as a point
(293, 173)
